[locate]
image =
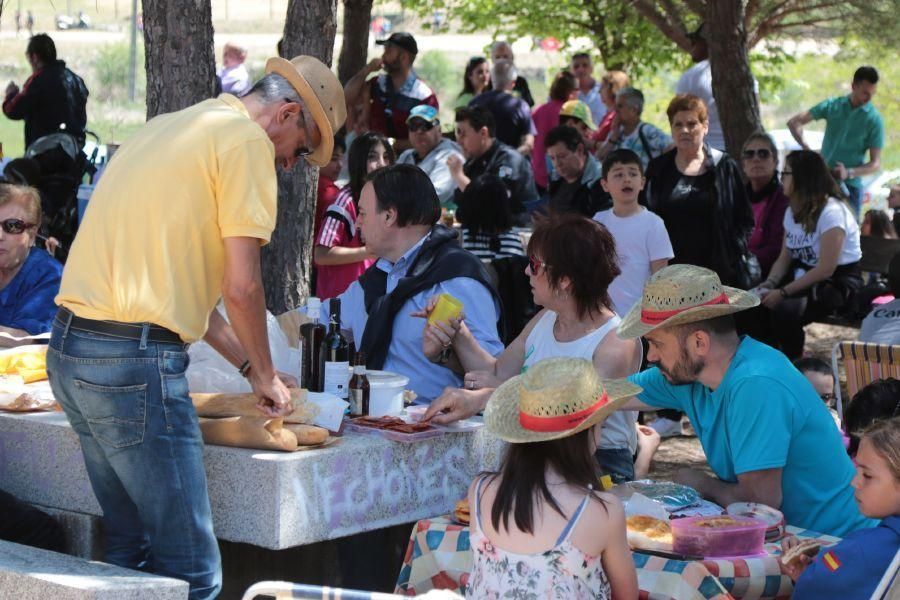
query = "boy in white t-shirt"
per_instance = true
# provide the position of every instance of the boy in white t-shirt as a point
(642, 242)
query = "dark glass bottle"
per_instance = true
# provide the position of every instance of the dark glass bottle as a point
(335, 355)
(311, 336)
(359, 388)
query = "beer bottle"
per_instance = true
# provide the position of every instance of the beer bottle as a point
(359, 388)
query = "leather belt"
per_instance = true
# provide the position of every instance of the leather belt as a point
(131, 331)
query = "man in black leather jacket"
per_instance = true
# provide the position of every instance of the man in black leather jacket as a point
(52, 98)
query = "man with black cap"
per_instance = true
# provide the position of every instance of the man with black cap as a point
(142, 282)
(698, 81)
(387, 100)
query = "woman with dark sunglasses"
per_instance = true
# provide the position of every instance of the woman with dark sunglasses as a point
(29, 276)
(759, 159)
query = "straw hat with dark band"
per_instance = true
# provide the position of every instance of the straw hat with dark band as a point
(683, 294)
(553, 399)
(322, 94)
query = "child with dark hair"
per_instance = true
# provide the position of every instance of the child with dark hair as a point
(340, 254)
(642, 243)
(485, 213)
(820, 375)
(877, 401)
(539, 529)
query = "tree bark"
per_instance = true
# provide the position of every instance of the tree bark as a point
(355, 46)
(732, 80)
(179, 58)
(286, 261)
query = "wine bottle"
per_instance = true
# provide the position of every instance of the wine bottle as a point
(311, 336)
(359, 387)
(335, 356)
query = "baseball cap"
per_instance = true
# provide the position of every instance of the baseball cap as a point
(425, 112)
(403, 40)
(578, 110)
(697, 34)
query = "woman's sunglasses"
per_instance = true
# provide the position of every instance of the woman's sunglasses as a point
(535, 265)
(762, 153)
(15, 226)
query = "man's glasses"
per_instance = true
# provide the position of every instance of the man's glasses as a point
(828, 397)
(302, 150)
(762, 153)
(419, 125)
(534, 264)
(15, 226)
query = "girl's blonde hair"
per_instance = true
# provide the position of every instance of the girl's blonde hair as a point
(884, 435)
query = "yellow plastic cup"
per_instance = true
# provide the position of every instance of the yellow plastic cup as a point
(447, 308)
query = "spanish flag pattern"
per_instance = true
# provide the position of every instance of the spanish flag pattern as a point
(831, 561)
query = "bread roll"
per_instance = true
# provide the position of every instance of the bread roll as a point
(308, 435)
(648, 533)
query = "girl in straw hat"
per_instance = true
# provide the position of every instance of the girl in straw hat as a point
(539, 528)
(572, 261)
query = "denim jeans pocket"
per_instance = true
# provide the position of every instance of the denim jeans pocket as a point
(115, 414)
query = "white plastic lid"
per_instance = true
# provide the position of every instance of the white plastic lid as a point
(381, 379)
(313, 305)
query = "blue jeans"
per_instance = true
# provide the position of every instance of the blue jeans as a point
(128, 401)
(618, 463)
(854, 197)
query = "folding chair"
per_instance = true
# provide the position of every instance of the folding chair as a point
(889, 586)
(284, 590)
(864, 363)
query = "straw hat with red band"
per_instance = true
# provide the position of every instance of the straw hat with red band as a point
(322, 94)
(682, 294)
(553, 399)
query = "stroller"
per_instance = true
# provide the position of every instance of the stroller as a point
(63, 167)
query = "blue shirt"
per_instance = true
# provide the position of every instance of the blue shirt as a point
(594, 102)
(855, 567)
(405, 355)
(766, 415)
(27, 301)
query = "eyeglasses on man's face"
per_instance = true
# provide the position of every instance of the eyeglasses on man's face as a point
(304, 150)
(420, 125)
(761, 153)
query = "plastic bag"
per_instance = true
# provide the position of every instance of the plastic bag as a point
(210, 372)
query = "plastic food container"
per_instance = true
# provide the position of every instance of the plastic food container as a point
(386, 393)
(720, 536)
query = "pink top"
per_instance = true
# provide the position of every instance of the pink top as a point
(545, 118)
(339, 229)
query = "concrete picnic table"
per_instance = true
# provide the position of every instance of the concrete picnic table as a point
(273, 500)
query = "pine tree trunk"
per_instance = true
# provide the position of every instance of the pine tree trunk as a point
(355, 46)
(179, 57)
(286, 261)
(732, 80)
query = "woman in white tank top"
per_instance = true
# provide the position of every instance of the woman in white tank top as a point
(572, 261)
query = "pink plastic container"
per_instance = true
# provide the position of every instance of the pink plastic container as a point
(719, 536)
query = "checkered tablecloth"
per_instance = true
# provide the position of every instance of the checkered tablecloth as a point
(439, 557)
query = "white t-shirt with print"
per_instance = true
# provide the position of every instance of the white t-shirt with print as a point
(806, 247)
(640, 238)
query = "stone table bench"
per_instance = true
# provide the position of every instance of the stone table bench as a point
(274, 500)
(33, 574)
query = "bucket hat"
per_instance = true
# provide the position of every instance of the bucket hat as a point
(553, 399)
(322, 94)
(681, 294)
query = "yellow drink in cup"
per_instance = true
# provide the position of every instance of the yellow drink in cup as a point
(447, 308)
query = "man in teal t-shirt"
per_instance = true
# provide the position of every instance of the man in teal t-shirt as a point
(766, 434)
(852, 127)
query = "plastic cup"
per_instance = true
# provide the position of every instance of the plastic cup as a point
(447, 308)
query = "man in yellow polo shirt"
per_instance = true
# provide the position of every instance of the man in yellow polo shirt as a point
(175, 224)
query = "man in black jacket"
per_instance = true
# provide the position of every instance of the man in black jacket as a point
(476, 135)
(52, 98)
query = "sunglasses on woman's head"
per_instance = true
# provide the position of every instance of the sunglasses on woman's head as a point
(762, 153)
(15, 226)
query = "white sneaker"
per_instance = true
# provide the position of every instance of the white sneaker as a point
(666, 427)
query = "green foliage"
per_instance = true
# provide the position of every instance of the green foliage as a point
(111, 72)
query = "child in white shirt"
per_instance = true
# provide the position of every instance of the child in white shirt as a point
(642, 242)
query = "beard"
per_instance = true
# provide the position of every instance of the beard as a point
(684, 371)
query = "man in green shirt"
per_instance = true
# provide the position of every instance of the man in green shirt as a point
(853, 126)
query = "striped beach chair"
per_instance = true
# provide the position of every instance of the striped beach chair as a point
(284, 590)
(864, 363)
